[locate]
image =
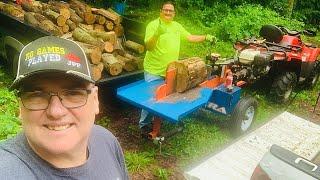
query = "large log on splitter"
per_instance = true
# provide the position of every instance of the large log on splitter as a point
(190, 73)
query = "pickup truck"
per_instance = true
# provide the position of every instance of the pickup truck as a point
(15, 34)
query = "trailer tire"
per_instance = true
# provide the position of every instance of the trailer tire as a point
(283, 86)
(243, 115)
(12, 60)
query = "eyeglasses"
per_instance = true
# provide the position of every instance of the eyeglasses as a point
(168, 10)
(39, 100)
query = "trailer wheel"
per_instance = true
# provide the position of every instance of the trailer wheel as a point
(243, 115)
(12, 60)
(283, 86)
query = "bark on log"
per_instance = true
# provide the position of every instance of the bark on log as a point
(98, 27)
(71, 24)
(109, 15)
(97, 71)
(86, 26)
(83, 36)
(138, 48)
(30, 19)
(118, 29)
(49, 26)
(127, 64)
(190, 73)
(13, 11)
(59, 19)
(111, 64)
(79, 7)
(40, 17)
(74, 17)
(34, 6)
(94, 54)
(59, 4)
(105, 36)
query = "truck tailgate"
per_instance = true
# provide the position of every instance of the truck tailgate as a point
(238, 160)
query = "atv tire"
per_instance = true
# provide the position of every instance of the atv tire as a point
(283, 86)
(243, 115)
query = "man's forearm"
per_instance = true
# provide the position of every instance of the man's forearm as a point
(196, 38)
(151, 43)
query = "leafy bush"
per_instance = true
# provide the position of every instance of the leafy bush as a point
(246, 21)
(9, 123)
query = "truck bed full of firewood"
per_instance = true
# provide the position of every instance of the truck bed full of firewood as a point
(98, 31)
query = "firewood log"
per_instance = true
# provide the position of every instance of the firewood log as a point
(127, 64)
(86, 26)
(79, 7)
(109, 25)
(33, 6)
(71, 24)
(30, 19)
(65, 28)
(134, 46)
(59, 4)
(40, 17)
(111, 64)
(100, 20)
(97, 71)
(105, 36)
(94, 54)
(98, 27)
(74, 17)
(55, 17)
(89, 18)
(109, 15)
(108, 47)
(118, 29)
(190, 73)
(13, 11)
(65, 12)
(83, 36)
(49, 26)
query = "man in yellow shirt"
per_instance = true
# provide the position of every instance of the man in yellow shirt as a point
(162, 42)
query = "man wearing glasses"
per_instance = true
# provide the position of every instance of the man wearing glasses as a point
(58, 104)
(162, 42)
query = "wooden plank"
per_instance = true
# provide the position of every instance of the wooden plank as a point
(238, 160)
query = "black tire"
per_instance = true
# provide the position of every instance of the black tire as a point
(243, 115)
(12, 60)
(283, 86)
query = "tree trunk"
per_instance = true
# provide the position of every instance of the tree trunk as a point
(138, 48)
(190, 73)
(112, 65)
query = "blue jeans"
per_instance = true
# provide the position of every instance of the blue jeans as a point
(145, 117)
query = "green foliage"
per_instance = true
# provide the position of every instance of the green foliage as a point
(246, 21)
(138, 161)
(162, 174)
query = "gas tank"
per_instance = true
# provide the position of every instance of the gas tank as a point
(290, 40)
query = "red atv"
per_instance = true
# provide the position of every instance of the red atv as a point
(278, 54)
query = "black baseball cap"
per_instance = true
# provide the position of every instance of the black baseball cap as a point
(52, 54)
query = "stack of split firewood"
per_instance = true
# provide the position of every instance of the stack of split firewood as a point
(98, 31)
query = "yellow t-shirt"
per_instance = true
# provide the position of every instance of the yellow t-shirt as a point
(167, 47)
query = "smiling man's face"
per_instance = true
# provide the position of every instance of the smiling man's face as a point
(167, 12)
(57, 130)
